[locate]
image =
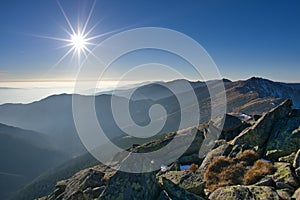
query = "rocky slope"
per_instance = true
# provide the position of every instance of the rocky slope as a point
(269, 144)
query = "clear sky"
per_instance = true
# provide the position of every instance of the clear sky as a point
(245, 38)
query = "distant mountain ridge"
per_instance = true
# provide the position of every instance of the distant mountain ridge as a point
(53, 115)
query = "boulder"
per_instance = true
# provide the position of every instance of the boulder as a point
(81, 181)
(176, 193)
(124, 185)
(231, 126)
(259, 133)
(187, 180)
(244, 192)
(283, 176)
(284, 139)
(79, 186)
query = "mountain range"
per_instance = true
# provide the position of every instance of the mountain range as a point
(53, 128)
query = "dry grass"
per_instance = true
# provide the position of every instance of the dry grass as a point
(223, 171)
(258, 171)
(105, 179)
(247, 156)
(193, 168)
(226, 171)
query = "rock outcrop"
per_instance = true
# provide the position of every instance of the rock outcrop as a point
(244, 192)
(275, 138)
(259, 134)
(131, 186)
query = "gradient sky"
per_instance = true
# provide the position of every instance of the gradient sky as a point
(244, 38)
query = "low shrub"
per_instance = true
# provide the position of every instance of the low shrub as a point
(193, 168)
(223, 171)
(226, 171)
(258, 171)
(105, 179)
(247, 156)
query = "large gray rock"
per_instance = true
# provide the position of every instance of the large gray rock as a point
(283, 140)
(176, 193)
(231, 126)
(74, 187)
(129, 186)
(275, 134)
(187, 180)
(260, 132)
(245, 193)
(284, 176)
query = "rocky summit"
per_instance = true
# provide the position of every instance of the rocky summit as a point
(257, 158)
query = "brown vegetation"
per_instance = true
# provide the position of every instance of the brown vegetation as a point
(193, 168)
(105, 178)
(226, 171)
(258, 171)
(247, 156)
(223, 171)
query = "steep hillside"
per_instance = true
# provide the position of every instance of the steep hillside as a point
(24, 155)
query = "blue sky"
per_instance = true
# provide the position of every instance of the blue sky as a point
(244, 38)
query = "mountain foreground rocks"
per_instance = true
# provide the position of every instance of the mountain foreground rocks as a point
(265, 150)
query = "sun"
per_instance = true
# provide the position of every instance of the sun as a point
(79, 42)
